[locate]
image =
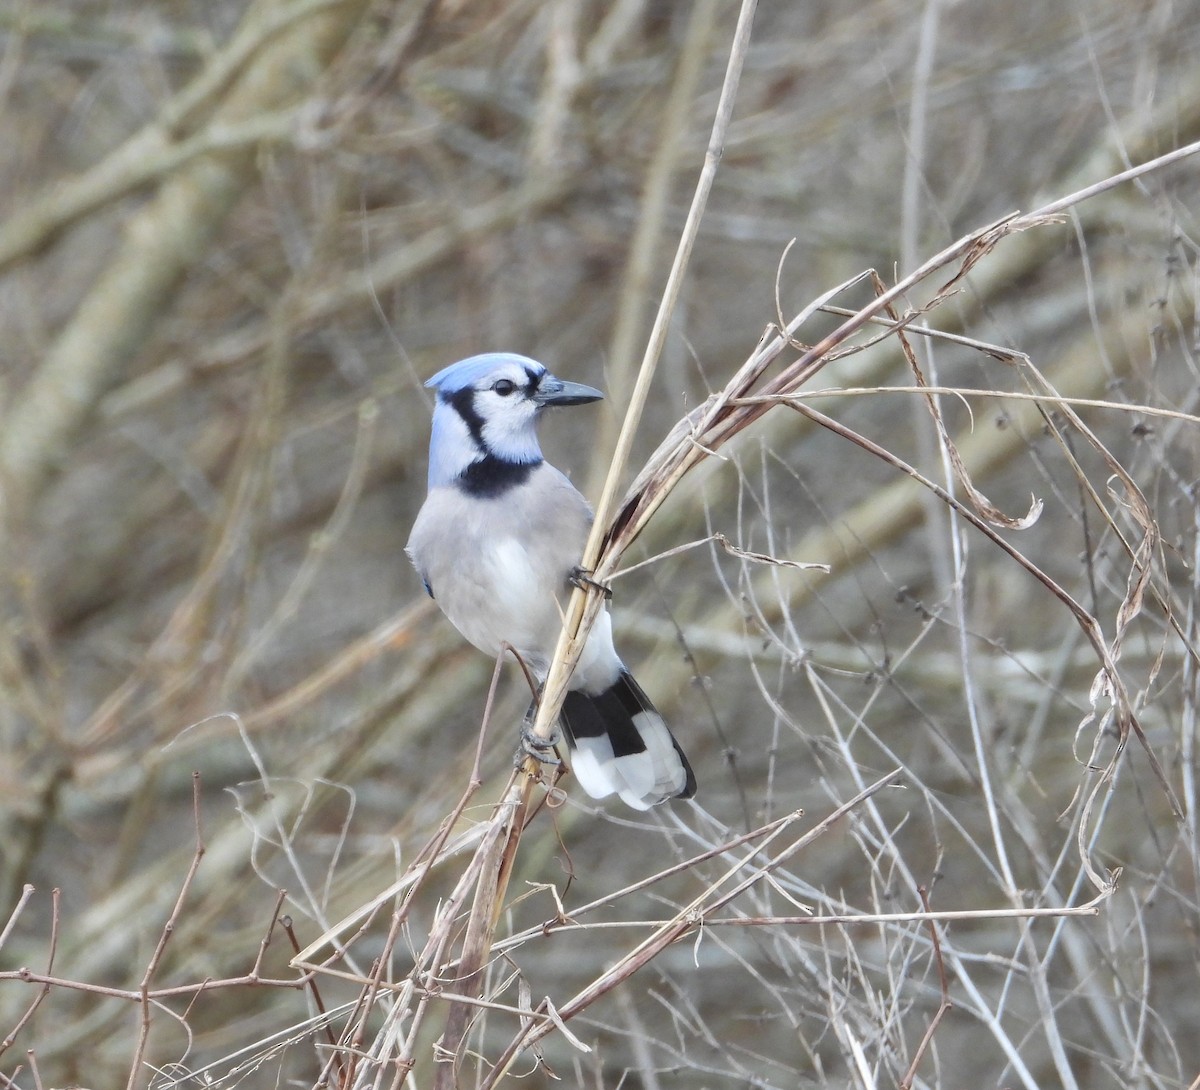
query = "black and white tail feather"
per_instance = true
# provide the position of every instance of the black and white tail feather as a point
(497, 544)
(621, 745)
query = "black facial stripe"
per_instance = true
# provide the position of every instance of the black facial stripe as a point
(489, 475)
(535, 379)
(492, 476)
(464, 404)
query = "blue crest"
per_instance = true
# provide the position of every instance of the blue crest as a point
(459, 376)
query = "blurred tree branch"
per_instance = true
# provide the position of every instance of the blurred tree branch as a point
(285, 47)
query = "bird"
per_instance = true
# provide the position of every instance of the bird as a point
(498, 543)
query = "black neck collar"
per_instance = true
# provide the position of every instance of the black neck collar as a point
(492, 476)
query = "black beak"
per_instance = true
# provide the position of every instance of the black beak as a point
(553, 391)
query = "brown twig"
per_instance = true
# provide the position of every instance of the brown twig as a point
(154, 995)
(8, 1041)
(165, 937)
(265, 941)
(943, 1009)
(27, 891)
(286, 923)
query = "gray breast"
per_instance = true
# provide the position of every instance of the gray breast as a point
(498, 566)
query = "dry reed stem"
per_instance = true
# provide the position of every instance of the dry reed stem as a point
(585, 602)
(490, 896)
(635, 281)
(497, 868)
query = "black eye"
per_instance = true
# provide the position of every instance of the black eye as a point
(504, 386)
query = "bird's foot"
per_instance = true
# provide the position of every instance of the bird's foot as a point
(582, 578)
(535, 746)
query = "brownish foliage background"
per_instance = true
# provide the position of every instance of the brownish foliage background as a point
(235, 239)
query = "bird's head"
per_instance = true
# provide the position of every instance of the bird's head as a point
(487, 407)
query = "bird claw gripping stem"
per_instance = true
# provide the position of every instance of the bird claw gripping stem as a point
(535, 746)
(582, 578)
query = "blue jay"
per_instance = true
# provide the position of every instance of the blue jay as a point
(498, 542)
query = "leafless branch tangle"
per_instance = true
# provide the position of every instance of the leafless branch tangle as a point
(907, 578)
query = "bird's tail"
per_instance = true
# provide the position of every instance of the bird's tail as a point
(620, 745)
